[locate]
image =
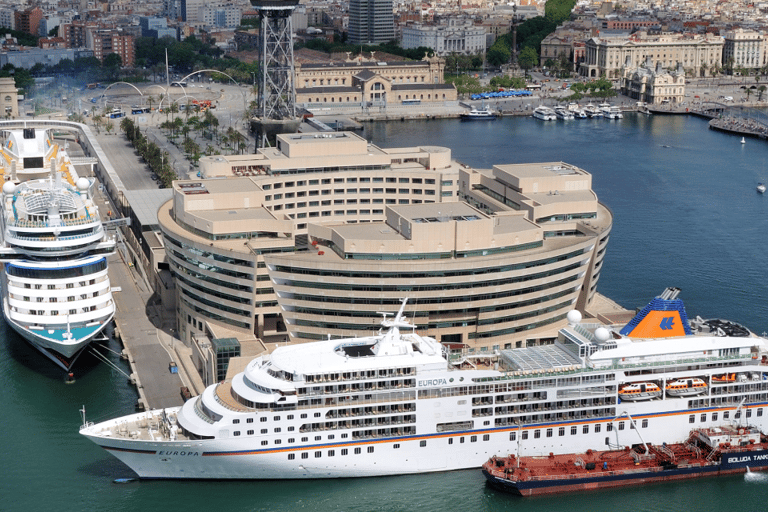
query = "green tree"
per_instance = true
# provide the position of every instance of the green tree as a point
(528, 58)
(499, 53)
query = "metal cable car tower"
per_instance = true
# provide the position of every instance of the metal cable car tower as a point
(276, 111)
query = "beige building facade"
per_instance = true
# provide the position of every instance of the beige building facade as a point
(9, 98)
(699, 55)
(369, 82)
(319, 235)
(744, 49)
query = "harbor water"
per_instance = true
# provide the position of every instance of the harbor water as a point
(686, 214)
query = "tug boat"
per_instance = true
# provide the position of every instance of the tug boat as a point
(716, 451)
(686, 387)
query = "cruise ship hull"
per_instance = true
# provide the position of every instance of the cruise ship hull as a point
(51, 344)
(239, 458)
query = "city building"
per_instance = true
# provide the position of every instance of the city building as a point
(320, 234)
(28, 57)
(370, 82)
(156, 27)
(8, 18)
(75, 33)
(371, 21)
(743, 49)
(654, 86)
(456, 37)
(104, 41)
(700, 55)
(28, 20)
(224, 16)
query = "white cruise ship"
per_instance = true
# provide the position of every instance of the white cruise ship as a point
(55, 289)
(397, 403)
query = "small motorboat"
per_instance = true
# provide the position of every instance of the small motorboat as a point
(761, 188)
(639, 391)
(686, 387)
(743, 140)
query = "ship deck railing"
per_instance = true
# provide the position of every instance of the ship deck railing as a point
(24, 223)
(556, 372)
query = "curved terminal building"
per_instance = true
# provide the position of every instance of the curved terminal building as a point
(317, 236)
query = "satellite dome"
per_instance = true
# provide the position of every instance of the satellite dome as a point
(602, 334)
(574, 317)
(9, 187)
(82, 184)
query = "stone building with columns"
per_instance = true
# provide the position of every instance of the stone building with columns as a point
(698, 54)
(370, 82)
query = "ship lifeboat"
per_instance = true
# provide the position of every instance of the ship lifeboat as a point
(726, 377)
(686, 387)
(639, 391)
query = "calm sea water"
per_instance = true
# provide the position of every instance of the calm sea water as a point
(686, 215)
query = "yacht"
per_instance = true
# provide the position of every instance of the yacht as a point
(399, 402)
(544, 113)
(55, 289)
(562, 113)
(614, 112)
(482, 114)
(592, 111)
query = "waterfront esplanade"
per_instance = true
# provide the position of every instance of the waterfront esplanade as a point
(322, 233)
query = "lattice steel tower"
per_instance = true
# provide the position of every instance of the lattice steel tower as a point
(276, 111)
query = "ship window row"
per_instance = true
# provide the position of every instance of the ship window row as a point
(211, 292)
(411, 288)
(213, 304)
(210, 268)
(429, 274)
(67, 286)
(207, 313)
(205, 254)
(513, 330)
(332, 453)
(557, 416)
(53, 250)
(357, 387)
(54, 300)
(333, 401)
(37, 236)
(727, 400)
(179, 269)
(56, 273)
(358, 423)
(360, 375)
(371, 410)
(739, 388)
(545, 406)
(372, 299)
